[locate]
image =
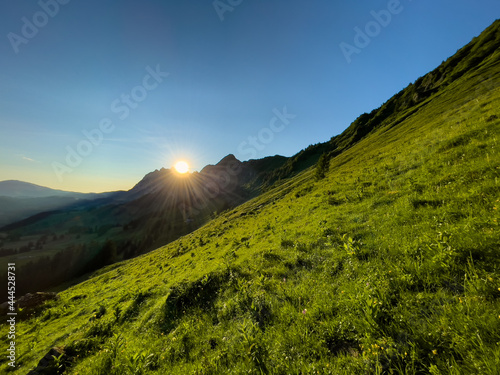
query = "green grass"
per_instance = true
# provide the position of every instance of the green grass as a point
(388, 265)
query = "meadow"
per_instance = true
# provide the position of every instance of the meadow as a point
(387, 265)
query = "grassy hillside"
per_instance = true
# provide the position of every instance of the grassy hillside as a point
(387, 265)
(161, 208)
(82, 237)
(405, 103)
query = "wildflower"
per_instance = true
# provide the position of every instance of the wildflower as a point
(304, 311)
(435, 352)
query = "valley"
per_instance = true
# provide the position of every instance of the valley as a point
(382, 258)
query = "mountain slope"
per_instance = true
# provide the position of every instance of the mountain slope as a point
(389, 264)
(481, 50)
(91, 234)
(20, 200)
(20, 189)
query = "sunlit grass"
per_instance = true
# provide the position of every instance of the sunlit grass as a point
(387, 265)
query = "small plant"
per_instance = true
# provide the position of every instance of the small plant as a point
(252, 350)
(116, 344)
(59, 363)
(117, 312)
(100, 328)
(137, 363)
(350, 245)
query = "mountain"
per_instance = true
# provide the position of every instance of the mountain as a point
(20, 189)
(240, 173)
(406, 103)
(387, 264)
(20, 200)
(16, 209)
(160, 208)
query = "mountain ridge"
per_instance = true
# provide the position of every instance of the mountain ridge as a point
(162, 207)
(386, 264)
(408, 100)
(23, 189)
(21, 200)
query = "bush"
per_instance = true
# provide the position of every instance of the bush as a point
(322, 167)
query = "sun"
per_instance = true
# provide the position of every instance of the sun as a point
(181, 167)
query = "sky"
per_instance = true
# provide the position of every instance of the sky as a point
(96, 94)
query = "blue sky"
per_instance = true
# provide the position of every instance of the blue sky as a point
(153, 82)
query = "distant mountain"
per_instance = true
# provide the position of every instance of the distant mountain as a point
(394, 250)
(160, 208)
(20, 189)
(215, 188)
(229, 165)
(20, 200)
(197, 196)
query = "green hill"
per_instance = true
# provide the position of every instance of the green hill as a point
(82, 236)
(389, 264)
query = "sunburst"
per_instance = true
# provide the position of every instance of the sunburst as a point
(181, 167)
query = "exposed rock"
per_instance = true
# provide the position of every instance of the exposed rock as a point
(48, 364)
(29, 302)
